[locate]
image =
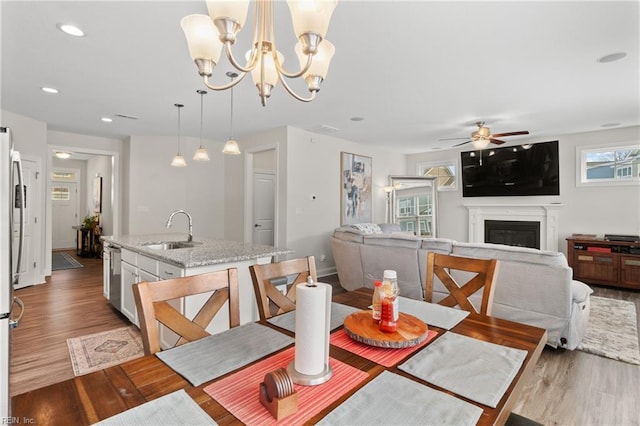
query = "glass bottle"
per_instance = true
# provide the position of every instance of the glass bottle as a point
(389, 312)
(376, 301)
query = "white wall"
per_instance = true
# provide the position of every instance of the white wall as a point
(155, 188)
(591, 210)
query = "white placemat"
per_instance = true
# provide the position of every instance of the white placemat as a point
(480, 371)
(177, 408)
(390, 399)
(213, 356)
(432, 313)
(338, 313)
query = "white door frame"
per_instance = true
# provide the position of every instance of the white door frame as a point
(77, 182)
(38, 228)
(114, 197)
(248, 192)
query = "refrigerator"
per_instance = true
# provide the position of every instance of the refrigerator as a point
(12, 218)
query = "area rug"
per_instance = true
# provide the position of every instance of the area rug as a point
(612, 331)
(61, 260)
(101, 350)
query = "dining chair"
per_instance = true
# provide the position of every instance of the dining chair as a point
(153, 308)
(271, 301)
(443, 266)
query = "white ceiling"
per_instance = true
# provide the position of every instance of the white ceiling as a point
(417, 72)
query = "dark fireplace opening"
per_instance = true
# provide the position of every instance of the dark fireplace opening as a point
(512, 233)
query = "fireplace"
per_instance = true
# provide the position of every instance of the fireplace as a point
(546, 215)
(517, 233)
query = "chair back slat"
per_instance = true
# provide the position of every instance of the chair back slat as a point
(271, 301)
(441, 266)
(151, 302)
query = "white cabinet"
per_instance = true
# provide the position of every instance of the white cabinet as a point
(129, 278)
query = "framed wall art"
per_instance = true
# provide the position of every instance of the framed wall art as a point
(355, 189)
(97, 195)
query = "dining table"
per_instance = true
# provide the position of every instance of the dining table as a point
(97, 396)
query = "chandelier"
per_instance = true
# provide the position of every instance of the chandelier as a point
(208, 35)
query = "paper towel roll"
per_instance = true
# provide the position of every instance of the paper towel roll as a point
(313, 317)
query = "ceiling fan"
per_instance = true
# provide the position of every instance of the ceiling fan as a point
(482, 137)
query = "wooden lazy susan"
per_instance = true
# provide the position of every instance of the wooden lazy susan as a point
(361, 328)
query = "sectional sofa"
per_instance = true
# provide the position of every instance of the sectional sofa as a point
(532, 286)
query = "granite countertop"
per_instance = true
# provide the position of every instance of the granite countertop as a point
(210, 252)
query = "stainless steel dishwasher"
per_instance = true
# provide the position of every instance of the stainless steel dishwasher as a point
(115, 286)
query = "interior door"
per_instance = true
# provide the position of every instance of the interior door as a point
(29, 260)
(64, 214)
(263, 208)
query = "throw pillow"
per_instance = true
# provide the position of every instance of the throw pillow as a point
(368, 228)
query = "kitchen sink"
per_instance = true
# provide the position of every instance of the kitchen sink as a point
(171, 245)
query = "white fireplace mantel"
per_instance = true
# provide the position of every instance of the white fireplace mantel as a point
(546, 214)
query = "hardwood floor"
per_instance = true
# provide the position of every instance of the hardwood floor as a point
(69, 304)
(568, 387)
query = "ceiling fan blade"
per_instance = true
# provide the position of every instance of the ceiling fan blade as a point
(462, 143)
(500, 135)
(496, 141)
(453, 139)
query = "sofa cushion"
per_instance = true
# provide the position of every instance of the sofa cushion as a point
(438, 245)
(397, 239)
(388, 228)
(511, 253)
(367, 228)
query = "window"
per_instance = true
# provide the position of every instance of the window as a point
(444, 171)
(409, 217)
(612, 165)
(60, 193)
(63, 176)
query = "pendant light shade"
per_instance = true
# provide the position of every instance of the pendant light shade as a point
(201, 153)
(178, 160)
(231, 147)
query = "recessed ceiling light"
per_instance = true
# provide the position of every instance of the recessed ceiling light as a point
(610, 125)
(612, 57)
(357, 118)
(106, 119)
(71, 30)
(49, 89)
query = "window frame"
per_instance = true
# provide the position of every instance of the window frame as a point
(581, 167)
(455, 163)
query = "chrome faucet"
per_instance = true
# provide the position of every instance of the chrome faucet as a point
(190, 222)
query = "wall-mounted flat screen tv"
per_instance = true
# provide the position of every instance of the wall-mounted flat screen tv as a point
(521, 170)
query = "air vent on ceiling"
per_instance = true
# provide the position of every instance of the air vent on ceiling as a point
(323, 128)
(129, 117)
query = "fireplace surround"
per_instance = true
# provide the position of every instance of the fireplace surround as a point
(546, 214)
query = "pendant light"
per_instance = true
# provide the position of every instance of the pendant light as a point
(178, 160)
(201, 153)
(231, 147)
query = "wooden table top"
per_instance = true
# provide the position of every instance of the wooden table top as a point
(97, 396)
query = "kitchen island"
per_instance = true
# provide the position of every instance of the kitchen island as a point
(129, 259)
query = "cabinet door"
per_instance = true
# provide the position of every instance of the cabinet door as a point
(596, 267)
(129, 278)
(630, 271)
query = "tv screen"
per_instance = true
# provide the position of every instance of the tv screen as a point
(530, 169)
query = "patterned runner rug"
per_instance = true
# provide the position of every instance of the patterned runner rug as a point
(612, 331)
(61, 260)
(101, 350)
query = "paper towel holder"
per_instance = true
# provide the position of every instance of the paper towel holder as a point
(309, 379)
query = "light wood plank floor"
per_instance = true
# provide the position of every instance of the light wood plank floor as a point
(568, 387)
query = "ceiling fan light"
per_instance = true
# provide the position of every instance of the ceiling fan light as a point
(231, 147)
(480, 143)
